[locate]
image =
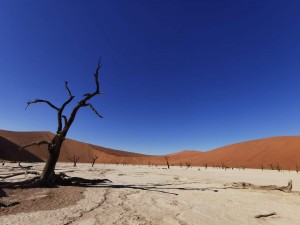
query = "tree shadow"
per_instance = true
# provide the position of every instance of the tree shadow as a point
(147, 187)
(2, 193)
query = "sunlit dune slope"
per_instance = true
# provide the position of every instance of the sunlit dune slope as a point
(282, 151)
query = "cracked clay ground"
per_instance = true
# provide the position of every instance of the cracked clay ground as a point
(155, 195)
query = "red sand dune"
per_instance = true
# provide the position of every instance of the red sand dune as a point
(282, 151)
(70, 148)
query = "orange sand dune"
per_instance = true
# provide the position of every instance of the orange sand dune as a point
(70, 148)
(282, 151)
(276, 151)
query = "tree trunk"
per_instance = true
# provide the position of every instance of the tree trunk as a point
(54, 151)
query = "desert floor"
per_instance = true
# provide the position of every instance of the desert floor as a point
(154, 195)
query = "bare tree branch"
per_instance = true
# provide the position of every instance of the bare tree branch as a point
(60, 116)
(65, 119)
(96, 75)
(61, 109)
(43, 101)
(83, 102)
(36, 143)
(68, 89)
(94, 110)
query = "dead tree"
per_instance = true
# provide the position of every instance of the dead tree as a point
(188, 164)
(94, 158)
(64, 123)
(243, 185)
(74, 159)
(167, 161)
(278, 168)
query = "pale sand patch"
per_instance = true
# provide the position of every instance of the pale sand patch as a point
(154, 195)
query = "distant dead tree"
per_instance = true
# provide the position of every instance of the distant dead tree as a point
(262, 167)
(48, 176)
(271, 166)
(278, 168)
(74, 159)
(297, 168)
(180, 164)
(167, 161)
(205, 165)
(93, 159)
(188, 164)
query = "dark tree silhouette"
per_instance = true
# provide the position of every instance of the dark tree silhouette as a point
(188, 164)
(93, 159)
(74, 159)
(48, 176)
(167, 161)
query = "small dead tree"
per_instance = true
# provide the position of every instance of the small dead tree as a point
(278, 168)
(64, 123)
(271, 166)
(205, 165)
(93, 159)
(297, 168)
(180, 164)
(188, 164)
(262, 167)
(74, 159)
(167, 161)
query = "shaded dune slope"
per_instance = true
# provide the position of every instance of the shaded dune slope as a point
(282, 151)
(70, 148)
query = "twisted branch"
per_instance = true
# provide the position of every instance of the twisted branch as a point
(83, 102)
(94, 110)
(36, 143)
(68, 89)
(43, 101)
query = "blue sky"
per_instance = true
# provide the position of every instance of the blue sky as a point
(176, 74)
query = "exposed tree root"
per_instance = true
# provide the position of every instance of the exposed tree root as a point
(3, 205)
(58, 179)
(65, 180)
(19, 184)
(243, 185)
(21, 173)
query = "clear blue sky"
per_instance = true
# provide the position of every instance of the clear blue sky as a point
(176, 74)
